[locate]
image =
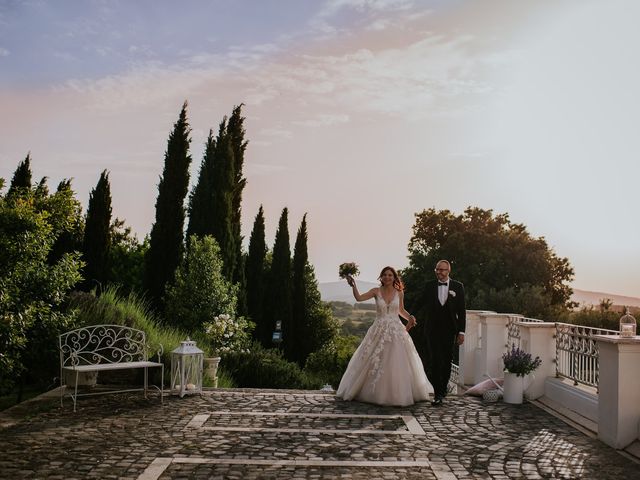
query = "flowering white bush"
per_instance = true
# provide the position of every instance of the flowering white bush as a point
(228, 334)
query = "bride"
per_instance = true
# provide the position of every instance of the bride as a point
(386, 368)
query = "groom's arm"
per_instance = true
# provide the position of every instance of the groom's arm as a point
(461, 310)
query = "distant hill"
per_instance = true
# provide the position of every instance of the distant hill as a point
(585, 297)
(340, 292)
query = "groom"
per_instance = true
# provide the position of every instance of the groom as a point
(445, 325)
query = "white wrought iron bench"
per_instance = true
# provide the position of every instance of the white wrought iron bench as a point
(98, 348)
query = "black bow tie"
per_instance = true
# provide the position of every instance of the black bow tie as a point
(442, 284)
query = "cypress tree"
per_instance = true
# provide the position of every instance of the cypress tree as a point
(201, 198)
(222, 197)
(300, 325)
(278, 300)
(21, 180)
(166, 239)
(238, 145)
(97, 234)
(255, 274)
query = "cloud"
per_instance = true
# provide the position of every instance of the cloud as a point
(276, 132)
(334, 6)
(4, 52)
(323, 120)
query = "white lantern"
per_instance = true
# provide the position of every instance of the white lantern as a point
(627, 325)
(186, 369)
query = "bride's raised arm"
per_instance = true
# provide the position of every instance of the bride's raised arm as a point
(360, 298)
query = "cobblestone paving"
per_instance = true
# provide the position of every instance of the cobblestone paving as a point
(298, 435)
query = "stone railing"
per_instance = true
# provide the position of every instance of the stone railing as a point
(577, 353)
(603, 369)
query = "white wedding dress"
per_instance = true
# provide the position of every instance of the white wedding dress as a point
(386, 368)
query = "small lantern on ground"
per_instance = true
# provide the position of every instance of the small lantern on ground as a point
(627, 325)
(186, 369)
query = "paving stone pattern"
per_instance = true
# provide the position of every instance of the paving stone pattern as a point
(121, 436)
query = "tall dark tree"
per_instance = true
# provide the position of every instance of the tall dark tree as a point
(97, 234)
(166, 239)
(201, 198)
(255, 274)
(236, 133)
(222, 198)
(313, 322)
(278, 299)
(300, 326)
(22, 177)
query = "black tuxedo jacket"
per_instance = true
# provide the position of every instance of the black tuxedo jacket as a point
(455, 312)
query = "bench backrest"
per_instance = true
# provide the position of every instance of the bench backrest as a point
(97, 344)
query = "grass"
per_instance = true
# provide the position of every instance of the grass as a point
(132, 311)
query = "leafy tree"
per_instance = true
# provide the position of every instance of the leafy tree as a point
(255, 268)
(166, 240)
(32, 291)
(97, 234)
(21, 181)
(69, 228)
(200, 291)
(278, 298)
(498, 261)
(126, 258)
(322, 327)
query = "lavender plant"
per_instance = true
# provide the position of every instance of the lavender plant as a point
(520, 362)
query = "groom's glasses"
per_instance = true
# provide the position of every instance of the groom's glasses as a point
(442, 269)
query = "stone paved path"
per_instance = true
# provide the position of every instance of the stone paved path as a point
(257, 434)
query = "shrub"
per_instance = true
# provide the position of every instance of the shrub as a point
(200, 291)
(258, 367)
(328, 364)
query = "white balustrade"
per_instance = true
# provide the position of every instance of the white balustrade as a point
(619, 393)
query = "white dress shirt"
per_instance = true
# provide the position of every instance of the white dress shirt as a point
(443, 292)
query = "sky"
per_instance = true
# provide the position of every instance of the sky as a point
(359, 113)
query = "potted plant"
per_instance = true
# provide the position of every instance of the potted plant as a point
(517, 364)
(226, 334)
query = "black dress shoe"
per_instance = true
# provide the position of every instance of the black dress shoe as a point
(437, 401)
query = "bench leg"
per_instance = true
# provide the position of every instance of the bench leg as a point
(75, 395)
(146, 381)
(162, 385)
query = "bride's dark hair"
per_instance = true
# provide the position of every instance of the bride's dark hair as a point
(397, 282)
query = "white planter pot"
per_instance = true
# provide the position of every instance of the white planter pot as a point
(513, 388)
(211, 369)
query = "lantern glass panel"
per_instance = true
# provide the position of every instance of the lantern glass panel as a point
(628, 325)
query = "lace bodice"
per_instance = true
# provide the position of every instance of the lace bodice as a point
(388, 309)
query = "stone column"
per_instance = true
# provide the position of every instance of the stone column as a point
(619, 390)
(470, 350)
(494, 341)
(537, 339)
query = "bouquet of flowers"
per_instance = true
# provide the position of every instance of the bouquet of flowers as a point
(348, 269)
(520, 362)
